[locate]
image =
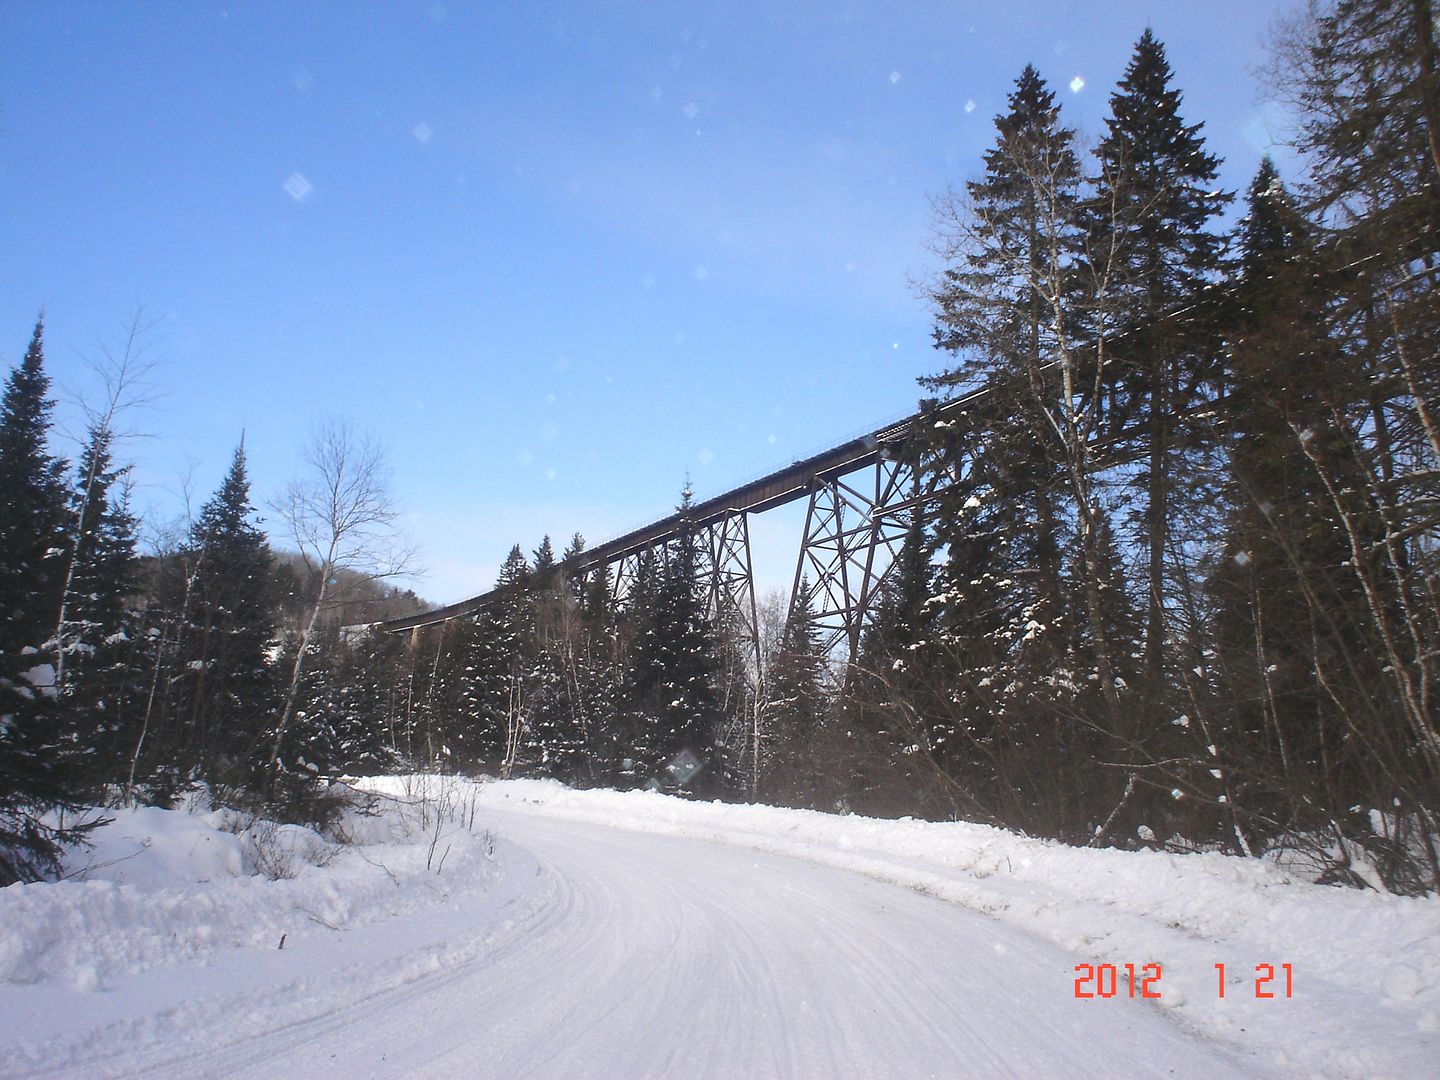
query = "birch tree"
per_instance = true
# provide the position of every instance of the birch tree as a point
(341, 516)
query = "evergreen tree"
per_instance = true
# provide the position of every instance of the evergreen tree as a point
(438, 695)
(352, 715)
(1020, 306)
(95, 674)
(542, 572)
(37, 771)
(991, 311)
(101, 558)
(597, 603)
(896, 677)
(573, 577)
(996, 311)
(1296, 654)
(227, 686)
(554, 713)
(901, 618)
(600, 671)
(1364, 78)
(637, 611)
(497, 662)
(32, 491)
(673, 699)
(796, 713)
(1154, 207)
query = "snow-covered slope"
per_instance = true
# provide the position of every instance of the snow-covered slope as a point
(521, 929)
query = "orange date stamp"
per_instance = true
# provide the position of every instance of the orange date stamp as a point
(1143, 981)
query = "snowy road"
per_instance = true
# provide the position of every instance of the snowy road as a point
(601, 952)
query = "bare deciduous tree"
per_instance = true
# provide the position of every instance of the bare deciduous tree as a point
(123, 370)
(341, 516)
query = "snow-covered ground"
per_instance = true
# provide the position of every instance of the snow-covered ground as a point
(520, 929)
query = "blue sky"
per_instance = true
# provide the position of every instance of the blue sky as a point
(555, 256)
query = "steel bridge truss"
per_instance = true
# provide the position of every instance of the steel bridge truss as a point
(730, 583)
(860, 496)
(726, 578)
(855, 525)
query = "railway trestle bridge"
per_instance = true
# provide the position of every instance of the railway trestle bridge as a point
(860, 494)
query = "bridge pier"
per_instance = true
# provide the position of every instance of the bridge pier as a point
(731, 584)
(851, 518)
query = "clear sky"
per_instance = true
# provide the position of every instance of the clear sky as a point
(554, 255)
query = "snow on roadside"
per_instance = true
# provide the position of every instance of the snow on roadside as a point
(161, 887)
(169, 892)
(1365, 966)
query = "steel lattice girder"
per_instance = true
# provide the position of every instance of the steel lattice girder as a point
(625, 569)
(854, 527)
(730, 584)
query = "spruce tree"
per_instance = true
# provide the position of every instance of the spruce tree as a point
(1364, 78)
(100, 560)
(1019, 307)
(227, 686)
(573, 576)
(542, 572)
(600, 676)
(996, 312)
(38, 771)
(553, 737)
(32, 492)
(369, 723)
(1293, 642)
(497, 663)
(95, 677)
(673, 699)
(1155, 206)
(597, 603)
(796, 713)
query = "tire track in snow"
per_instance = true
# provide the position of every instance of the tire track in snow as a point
(629, 954)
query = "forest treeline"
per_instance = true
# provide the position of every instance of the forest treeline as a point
(130, 676)
(1181, 581)
(1175, 582)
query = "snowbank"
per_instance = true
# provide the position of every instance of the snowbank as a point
(161, 887)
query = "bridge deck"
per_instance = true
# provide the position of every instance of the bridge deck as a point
(782, 486)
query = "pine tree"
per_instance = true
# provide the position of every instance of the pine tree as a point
(37, 770)
(674, 704)
(32, 491)
(95, 675)
(574, 578)
(996, 311)
(497, 661)
(1154, 207)
(1363, 78)
(227, 685)
(796, 713)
